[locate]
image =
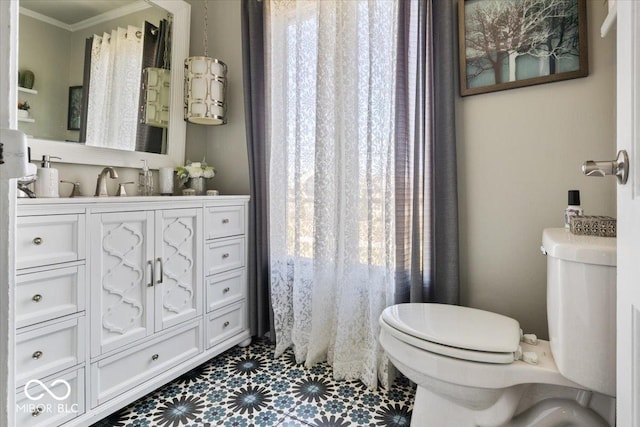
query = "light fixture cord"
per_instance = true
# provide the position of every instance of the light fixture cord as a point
(167, 43)
(206, 29)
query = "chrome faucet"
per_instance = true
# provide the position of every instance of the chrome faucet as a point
(101, 186)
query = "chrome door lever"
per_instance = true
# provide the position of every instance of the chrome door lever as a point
(618, 167)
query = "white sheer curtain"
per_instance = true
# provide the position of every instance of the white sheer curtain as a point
(331, 132)
(116, 66)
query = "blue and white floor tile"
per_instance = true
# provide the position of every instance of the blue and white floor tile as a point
(246, 387)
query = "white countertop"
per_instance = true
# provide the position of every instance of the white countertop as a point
(126, 199)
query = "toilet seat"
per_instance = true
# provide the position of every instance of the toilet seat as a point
(460, 332)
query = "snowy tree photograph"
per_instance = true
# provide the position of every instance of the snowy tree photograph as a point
(506, 44)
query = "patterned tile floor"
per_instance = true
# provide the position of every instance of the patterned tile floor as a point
(246, 387)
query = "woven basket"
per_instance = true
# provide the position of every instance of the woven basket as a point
(603, 226)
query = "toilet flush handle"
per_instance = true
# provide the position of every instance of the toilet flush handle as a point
(618, 167)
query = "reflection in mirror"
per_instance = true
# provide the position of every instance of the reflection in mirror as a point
(119, 58)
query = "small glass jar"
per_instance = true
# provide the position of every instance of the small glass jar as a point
(198, 184)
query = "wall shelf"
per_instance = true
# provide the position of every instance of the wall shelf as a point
(26, 120)
(25, 90)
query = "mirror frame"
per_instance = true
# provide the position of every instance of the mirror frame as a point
(176, 135)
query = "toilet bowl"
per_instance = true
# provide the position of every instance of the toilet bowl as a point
(473, 368)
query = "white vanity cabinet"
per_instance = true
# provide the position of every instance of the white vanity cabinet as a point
(122, 295)
(50, 300)
(146, 267)
(225, 270)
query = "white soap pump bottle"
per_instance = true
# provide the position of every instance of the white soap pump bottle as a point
(47, 178)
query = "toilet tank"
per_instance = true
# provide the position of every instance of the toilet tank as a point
(581, 307)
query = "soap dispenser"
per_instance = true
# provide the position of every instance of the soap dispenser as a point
(47, 182)
(145, 181)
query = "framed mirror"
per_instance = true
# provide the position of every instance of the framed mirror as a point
(61, 122)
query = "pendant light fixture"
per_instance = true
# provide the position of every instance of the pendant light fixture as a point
(205, 85)
(157, 83)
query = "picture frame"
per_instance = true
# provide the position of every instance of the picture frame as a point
(74, 112)
(548, 43)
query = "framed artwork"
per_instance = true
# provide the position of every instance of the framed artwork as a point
(506, 44)
(75, 108)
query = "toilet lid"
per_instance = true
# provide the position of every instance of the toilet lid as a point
(457, 330)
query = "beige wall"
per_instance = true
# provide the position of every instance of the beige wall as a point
(44, 49)
(225, 146)
(519, 151)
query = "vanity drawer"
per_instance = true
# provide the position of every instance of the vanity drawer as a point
(224, 255)
(51, 408)
(43, 350)
(224, 221)
(50, 239)
(225, 323)
(225, 288)
(46, 295)
(114, 375)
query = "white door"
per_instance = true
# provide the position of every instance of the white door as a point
(628, 111)
(121, 279)
(178, 287)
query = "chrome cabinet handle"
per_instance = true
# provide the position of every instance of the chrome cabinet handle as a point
(37, 241)
(155, 357)
(225, 290)
(225, 255)
(37, 355)
(225, 221)
(226, 324)
(151, 283)
(37, 298)
(159, 281)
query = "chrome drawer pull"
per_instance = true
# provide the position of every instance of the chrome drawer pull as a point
(159, 281)
(225, 324)
(37, 241)
(225, 255)
(151, 283)
(225, 290)
(225, 221)
(154, 357)
(37, 355)
(37, 411)
(37, 298)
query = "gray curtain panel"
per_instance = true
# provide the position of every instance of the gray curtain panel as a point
(426, 178)
(444, 284)
(260, 311)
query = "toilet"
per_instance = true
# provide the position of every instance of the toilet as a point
(476, 368)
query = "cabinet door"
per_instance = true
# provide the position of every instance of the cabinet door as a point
(179, 285)
(121, 279)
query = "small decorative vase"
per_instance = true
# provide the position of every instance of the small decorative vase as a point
(28, 79)
(23, 114)
(198, 184)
